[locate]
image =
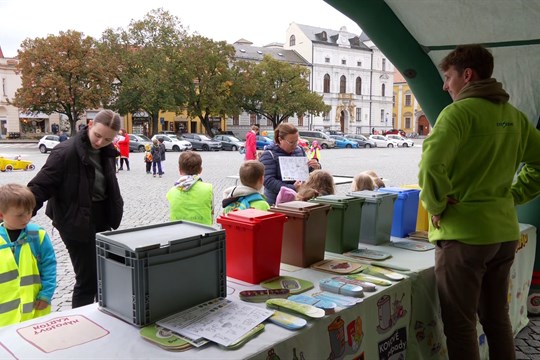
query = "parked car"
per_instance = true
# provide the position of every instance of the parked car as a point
(403, 142)
(361, 140)
(167, 132)
(137, 142)
(47, 143)
(263, 141)
(173, 143)
(229, 142)
(344, 143)
(324, 140)
(202, 142)
(383, 141)
(396, 131)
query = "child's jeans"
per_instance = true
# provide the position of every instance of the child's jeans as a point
(158, 163)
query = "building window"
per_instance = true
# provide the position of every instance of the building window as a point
(327, 116)
(358, 86)
(383, 89)
(407, 100)
(4, 86)
(342, 84)
(358, 63)
(393, 100)
(358, 114)
(327, 60)
(326, 84)
(407, 123)
(292, 40)
(269, 122)
(343, 62)
(383, 64)
(236, 120)
(382, 115)
(252, 119)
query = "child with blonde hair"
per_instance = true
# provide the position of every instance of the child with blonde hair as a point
(376, 179)
(361, 182)
(306, 193)
(322, 181)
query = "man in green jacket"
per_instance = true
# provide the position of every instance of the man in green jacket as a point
(467, 178)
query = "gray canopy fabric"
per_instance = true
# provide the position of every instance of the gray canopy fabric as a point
(416, 34)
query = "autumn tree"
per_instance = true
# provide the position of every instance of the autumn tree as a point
(277, 90)
(208, 79)
(147, 65)
(62, 74)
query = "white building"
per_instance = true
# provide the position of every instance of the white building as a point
(246, 51)
(353, 76)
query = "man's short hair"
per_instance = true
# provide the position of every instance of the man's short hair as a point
(254, 128)
(16, 195)
(474, 56)
(190, 163)
(250, 173)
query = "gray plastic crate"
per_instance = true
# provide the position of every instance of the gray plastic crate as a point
(147, 273)
(377, 213)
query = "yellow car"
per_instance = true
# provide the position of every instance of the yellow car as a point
(15, 164)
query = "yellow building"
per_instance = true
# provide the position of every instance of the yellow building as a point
(140, 123)
(407, 113)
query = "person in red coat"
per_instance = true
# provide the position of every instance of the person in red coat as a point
(123, 146)
(251, 143)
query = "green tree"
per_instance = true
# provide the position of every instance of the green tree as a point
(62, 74)
(277, 90)
(147, 63)
(208, 80)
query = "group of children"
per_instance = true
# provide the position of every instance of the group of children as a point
(154, 155)
(191, 199)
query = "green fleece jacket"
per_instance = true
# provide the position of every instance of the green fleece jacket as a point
(472, 156)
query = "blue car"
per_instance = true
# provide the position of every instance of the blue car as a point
(343, 142)
(262, 141)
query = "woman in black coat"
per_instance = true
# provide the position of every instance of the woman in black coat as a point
(79, 182)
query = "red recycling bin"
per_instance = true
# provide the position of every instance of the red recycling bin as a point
(253, 244)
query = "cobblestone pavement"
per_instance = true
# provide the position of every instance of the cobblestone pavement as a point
(145, 202)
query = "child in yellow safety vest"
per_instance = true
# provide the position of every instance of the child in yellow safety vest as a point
(27, 259)
(314, 151)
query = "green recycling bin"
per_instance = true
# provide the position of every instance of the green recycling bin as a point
(377, 214)
(342, 230)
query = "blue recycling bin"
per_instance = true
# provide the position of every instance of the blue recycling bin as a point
(405, 210)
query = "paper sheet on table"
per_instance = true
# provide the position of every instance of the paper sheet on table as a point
(294, 168)
(220, 320)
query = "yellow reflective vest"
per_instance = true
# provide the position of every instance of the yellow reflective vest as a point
(19, 284)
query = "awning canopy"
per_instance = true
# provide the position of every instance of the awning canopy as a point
(416, 34)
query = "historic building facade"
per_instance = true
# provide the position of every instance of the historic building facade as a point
(407, 113)
(351, 73)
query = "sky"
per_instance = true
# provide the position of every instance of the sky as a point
(261, 22)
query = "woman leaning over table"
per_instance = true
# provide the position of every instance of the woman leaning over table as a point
(285, 144)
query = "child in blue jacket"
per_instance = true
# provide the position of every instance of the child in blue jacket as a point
(27, 259)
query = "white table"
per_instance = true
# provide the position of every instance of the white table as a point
(403, 316)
